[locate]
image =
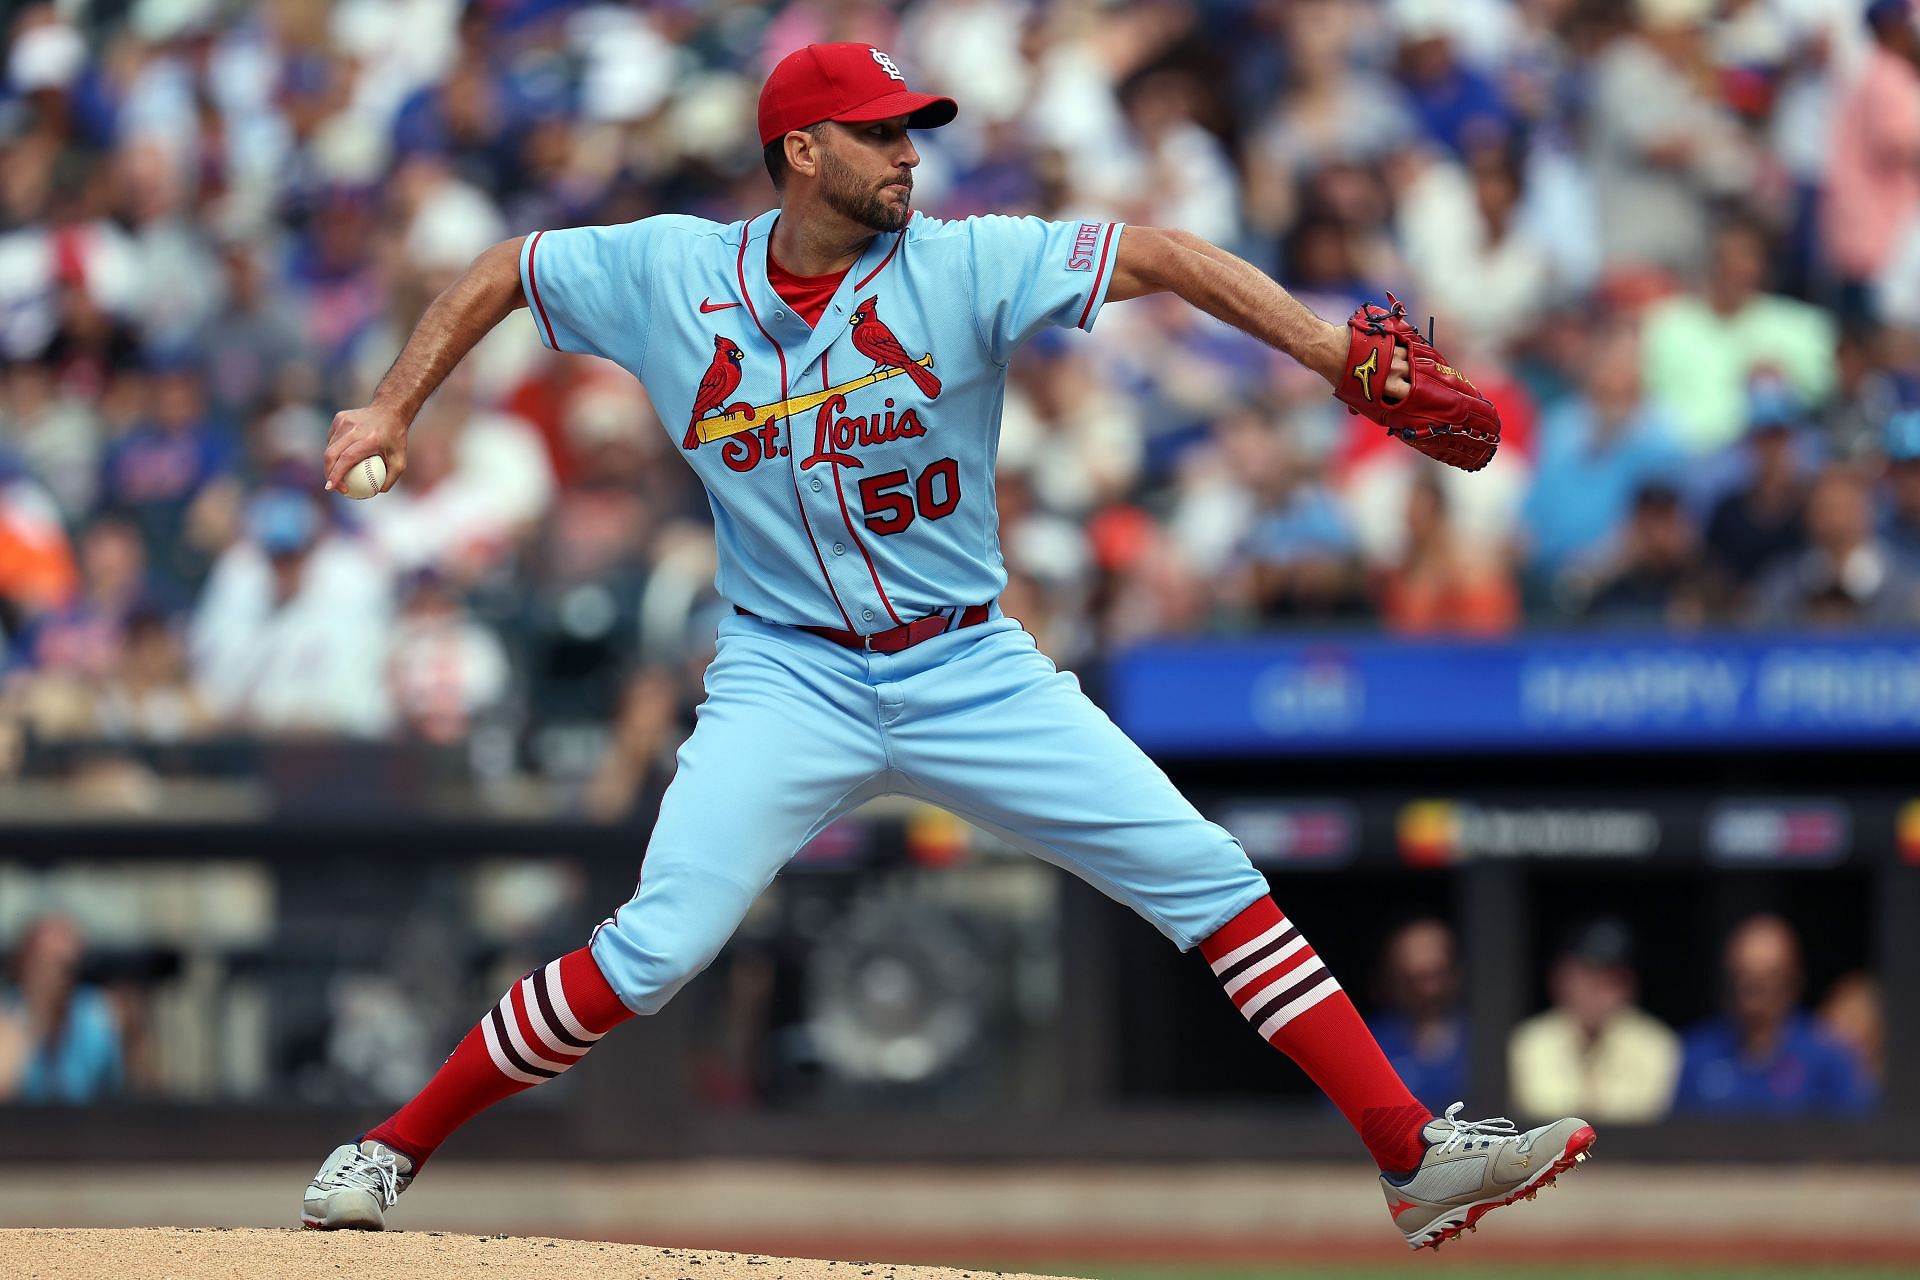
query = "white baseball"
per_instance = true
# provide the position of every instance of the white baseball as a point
(366, 478)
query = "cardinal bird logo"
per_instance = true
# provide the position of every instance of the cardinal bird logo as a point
(872, 339)
(716, 384)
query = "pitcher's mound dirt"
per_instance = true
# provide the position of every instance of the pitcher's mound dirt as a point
(211, 1253)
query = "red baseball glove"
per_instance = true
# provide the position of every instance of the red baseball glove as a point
(1442, 416)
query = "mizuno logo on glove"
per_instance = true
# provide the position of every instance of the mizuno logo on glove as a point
(1365, 371)
(1441, 413)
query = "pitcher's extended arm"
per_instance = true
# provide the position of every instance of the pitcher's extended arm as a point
(1380, 366)
(1160, 260)
(485, 294)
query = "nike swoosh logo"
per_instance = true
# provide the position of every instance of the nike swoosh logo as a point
(708, 304)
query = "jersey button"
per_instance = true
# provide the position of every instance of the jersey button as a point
(866, 615)
(816, 484)
(839, 548)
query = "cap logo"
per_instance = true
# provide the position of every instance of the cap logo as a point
(886, 65)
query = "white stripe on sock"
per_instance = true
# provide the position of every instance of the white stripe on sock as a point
(500, 1060)
(1294, 1009)
(568, 1023)
(533, 1059)
(1246, 949)
(549, 1040)
(1307, 968)
(1279, 957)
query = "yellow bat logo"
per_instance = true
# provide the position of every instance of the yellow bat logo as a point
(1365, 371)
(721, 425)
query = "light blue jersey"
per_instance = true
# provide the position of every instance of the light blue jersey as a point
(850, 468)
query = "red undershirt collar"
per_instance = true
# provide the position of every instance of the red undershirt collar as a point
(807, 295)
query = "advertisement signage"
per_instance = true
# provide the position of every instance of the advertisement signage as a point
(1541, 692)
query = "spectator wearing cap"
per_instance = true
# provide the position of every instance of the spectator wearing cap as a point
(1766, 1056)
(1594, 1052)
(1900, 519)
(1846, 576)
(1300, 558)
(45, 59)
(1456, 104)
(1703, 349)
(1873, 169)
(291, 634)
(1597, 450)
(1761, 520)
(1656, 578)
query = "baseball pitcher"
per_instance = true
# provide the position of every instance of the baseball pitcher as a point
(833, 370)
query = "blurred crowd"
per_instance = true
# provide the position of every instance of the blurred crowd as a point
(71, 1032)
(1594, 1052)
(1677, 242)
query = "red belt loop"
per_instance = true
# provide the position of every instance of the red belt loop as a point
(897, 638)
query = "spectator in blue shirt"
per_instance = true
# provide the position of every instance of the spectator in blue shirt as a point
(1597, 451)
(1422, 1030)
(1299, 558)
(1456, 104)
(165, 475)
(1767, 1056)
(59, 1039)
(1760, 516)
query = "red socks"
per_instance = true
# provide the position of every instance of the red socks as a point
(1285, 991)
(542, 1026)
(549, 1019)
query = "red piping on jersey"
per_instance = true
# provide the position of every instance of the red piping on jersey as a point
(847, 516)
(533, 283)
(1098, 272)
(740, 270)
(883, 263)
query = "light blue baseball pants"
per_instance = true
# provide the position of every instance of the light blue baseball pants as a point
(797, 731)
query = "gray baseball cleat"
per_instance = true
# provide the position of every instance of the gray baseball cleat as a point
(355, 1188)
(1473, 1167)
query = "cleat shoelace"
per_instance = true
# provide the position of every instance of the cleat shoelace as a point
(1498, 1129)
(376, 1173)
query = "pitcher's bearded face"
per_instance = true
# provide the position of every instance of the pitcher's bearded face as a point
(866, 173)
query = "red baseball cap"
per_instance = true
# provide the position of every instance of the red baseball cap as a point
(847, 82)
